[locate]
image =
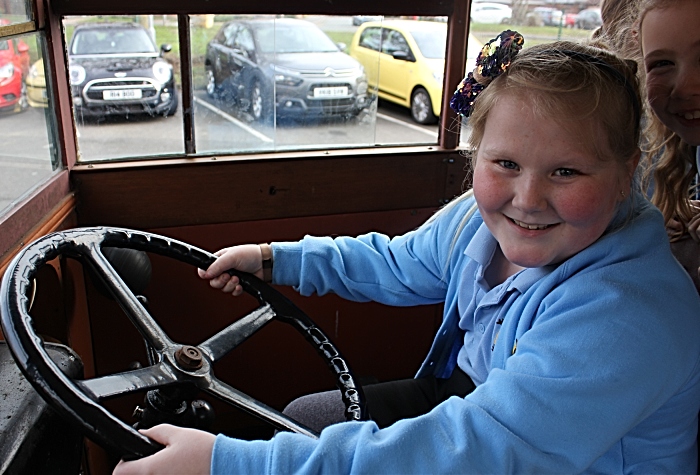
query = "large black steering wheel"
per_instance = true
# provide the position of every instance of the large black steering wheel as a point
(175, 364)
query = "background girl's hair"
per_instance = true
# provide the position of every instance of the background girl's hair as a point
(618, 28)
(669, 163)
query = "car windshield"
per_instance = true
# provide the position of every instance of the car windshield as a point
(431, 43)
(4, 45)
(275, 38)
(112, 41)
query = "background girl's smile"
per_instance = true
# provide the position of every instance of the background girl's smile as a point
(672, 64)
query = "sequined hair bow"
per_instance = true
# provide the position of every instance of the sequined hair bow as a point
(493, 60)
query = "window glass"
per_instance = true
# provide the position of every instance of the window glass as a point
(394, 42)
(245, 40)
(125, 86)
(14, 11)
(266, 83)
(261, 83)
(371, 38)
(313, 82)
(28, 155)
(430, 46)
(537, 24)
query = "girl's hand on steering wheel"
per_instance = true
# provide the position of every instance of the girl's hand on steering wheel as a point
(187, 451)
(245, 258)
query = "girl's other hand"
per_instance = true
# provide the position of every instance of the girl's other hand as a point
(245, 258)
(187, 451)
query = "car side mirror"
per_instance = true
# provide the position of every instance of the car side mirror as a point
(165, 48)
(403, 56)
(341, 46)
(22, 47)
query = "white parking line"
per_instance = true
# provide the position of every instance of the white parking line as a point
(265, 138)
(10, 161)
(406, 124)
(232, 119)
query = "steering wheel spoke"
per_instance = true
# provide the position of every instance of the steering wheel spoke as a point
(105, 387)
(230, 337)
(138, 315)
(241, 400)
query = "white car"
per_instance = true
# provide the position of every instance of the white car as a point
(487, 12)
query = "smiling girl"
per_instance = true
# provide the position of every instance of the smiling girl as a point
(559, 351)
(670, 44)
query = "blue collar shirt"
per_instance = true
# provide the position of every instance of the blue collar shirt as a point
(483, 308)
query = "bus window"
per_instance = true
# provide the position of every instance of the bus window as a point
(28, 155)
(260, 83)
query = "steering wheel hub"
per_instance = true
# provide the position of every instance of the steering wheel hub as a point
(189, 357)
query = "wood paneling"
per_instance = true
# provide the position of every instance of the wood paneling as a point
(183, 193)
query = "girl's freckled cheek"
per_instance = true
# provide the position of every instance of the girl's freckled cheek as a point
(580, 205)
(487, 189)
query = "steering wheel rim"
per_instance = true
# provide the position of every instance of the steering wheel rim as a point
(78, 400)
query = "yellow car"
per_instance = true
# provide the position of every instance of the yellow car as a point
(36, 85)
(405, 62)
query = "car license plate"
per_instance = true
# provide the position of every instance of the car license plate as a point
(336, 91)
(118, 94)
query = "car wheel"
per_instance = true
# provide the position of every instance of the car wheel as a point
(257, 107)
(422, 107)
(211, 83)
(505, 21)
(23, 103)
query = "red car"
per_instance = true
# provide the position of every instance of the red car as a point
(14, 65)
(570, 20)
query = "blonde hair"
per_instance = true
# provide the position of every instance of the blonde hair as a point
(574, 83)
(669, 162)
(618, 28)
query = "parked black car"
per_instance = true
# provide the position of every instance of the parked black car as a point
(283, 68)
(115, 68)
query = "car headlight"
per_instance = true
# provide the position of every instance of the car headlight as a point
(7, 71)
(162, 71)
(286, 77)
(77, 74)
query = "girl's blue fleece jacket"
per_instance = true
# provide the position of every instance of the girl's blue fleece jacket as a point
(595, 368)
